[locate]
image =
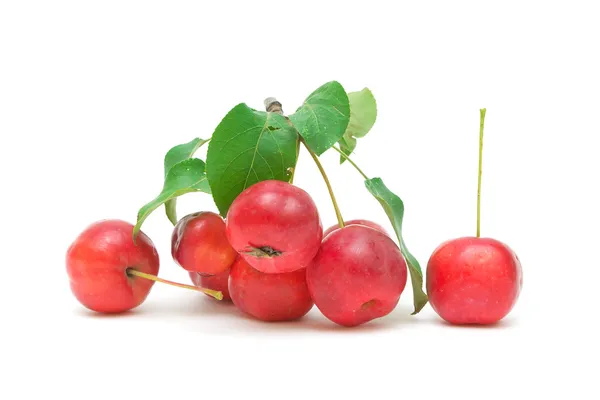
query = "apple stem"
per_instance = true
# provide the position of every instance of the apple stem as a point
(351, 162)
(216, 294)
(273, 105)
(338, 214)
(481, 123)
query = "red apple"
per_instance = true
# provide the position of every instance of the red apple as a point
(217, 282)
(473, 280)
(269, 297)
(97, 264)
(362, 222)
(199, 244)
(275, 226)
(358, 275)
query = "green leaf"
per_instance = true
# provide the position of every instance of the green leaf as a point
(174, 156)
(182, 152)
(247, 147)
(323, 118)
(184, 177)
(363, 113)
(394, 208)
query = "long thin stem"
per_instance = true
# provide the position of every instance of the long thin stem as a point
(216, 294)
(338, 214)
(481, 123)
(351, 162)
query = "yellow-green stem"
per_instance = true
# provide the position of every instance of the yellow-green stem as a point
(351, 162)
(338, 214)
(481, 123)
(216, 294)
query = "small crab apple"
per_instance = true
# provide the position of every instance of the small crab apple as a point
(98, 263)
(474, 280)
(362, 222)
(269, 297)
(109, 272)
(199, 244)
(218, 282)
(358, 275)
(275, 226)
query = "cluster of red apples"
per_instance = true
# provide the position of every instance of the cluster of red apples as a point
(271, 257)
(267, 252)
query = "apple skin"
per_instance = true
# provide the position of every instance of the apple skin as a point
(277, 216)
(269, 297)
(358, 275)
(97, 262)
(473, 280)
(199, 244)
(362, 222)
(217, 282)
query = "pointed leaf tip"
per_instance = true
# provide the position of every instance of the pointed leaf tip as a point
(394, 208)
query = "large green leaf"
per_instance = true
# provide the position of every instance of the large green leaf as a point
(184, 177)
(174, 156)
(363, 113)
(323, 118)
(247, 147)
(394, 208)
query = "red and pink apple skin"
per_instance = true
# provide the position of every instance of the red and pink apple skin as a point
(473, 280)
(97, 262)
(362, 222)
(218, 282)
(358, 275)
(199, 244)
(269, 297)
(275, 226)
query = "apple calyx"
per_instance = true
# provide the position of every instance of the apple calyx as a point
(263, 252)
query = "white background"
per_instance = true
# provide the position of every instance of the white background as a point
(92, 94)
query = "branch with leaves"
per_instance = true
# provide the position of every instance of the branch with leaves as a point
(249, 146)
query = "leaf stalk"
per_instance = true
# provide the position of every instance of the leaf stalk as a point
(351, 162)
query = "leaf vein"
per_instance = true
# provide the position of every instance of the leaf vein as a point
(239, 134)
(234, 159)
(256, 151)
(280, 153)
(266, 162)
